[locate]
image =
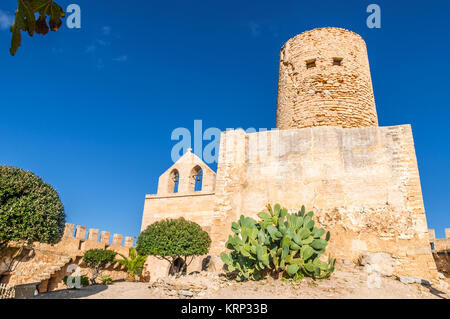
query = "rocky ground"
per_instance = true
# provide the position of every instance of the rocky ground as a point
(348, 282)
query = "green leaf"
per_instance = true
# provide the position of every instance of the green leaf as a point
(259, 252)
(302, 211)
(319, 244)
(286, 241)
(292, 269)
(297, 239)
(306, 220)
(264, 215)
(303, 233)
(29, 16)
(16, 40)
(269, 208)
(283, 213)
(245, 252)
(323, 266)
(297, 261)
(307, 252)
(318, 232)
(274, 233)
(226, 259)
(308, 240)
(310, 267)
(277, 209)
(265, 260)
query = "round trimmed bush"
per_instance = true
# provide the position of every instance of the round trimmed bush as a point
(171, 239)
(30, 209)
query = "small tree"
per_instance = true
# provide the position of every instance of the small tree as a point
(97, 259)
(172, 239)
(134, 263)
(30, 211)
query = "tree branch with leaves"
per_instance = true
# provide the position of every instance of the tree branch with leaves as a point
(25, 20)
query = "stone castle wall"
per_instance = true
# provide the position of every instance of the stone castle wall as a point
(47, 264)
(328, 154)
(198, 207)
(441, 251)
(362, 183)
(440, 244)
(324, 79)
(185, 202)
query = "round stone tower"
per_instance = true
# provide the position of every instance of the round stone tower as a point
(325, 80)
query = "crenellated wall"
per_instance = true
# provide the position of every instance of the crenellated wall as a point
(441, 251)
(440, 244)
(47, 264)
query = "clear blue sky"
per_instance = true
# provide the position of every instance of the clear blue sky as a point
(92, 110)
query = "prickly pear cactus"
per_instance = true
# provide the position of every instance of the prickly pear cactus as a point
(281, 242)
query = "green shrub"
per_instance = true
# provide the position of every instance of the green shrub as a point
(134, 263)
(83, 280)
(97, 259)
(30, 209)
(106, 280)
(172, 239)
(280, 243)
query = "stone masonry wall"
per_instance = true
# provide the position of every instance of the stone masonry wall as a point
(329, 154)
(440, 244)
(198, 207)
(47, 265)
(186, 202)
(362, 183)
(314, 91)
(441, 251)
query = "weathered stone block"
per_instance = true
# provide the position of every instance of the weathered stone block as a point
(68, 230)
(93, 234)
(381, 263)
(128, 242)
(117, 240)
(104, 237)
(80, 232)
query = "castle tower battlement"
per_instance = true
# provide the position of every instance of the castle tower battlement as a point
(324, 80)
